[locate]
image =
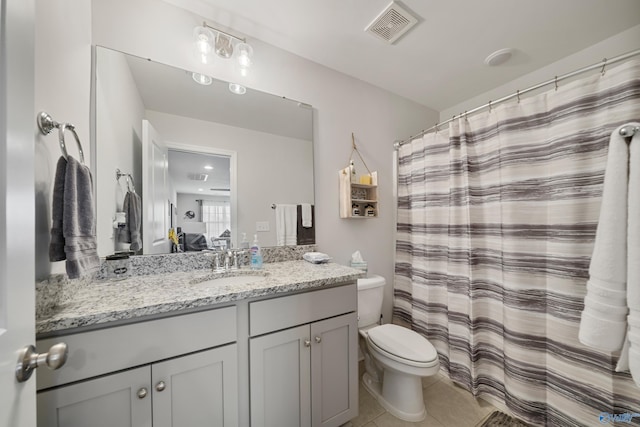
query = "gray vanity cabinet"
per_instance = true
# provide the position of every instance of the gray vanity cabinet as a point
(304, 375)
(197, 390)
(185, 391)
(103, 402)
(176, 371)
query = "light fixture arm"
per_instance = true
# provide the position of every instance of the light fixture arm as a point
(204, 24)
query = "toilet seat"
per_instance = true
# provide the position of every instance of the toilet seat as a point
(403, 345)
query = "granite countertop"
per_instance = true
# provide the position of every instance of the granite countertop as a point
(98, 302)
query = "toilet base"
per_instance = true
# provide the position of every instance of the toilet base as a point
(407, 402)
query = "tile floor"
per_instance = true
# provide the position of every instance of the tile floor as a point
(448, 405)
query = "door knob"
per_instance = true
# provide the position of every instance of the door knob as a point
(29, 360)
(161, 386)
(142, 393)
(307, 343)
(318, 339)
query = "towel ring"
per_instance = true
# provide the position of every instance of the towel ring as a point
(46, 124)
(131, 185)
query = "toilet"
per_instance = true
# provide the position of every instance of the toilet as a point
(396, 358)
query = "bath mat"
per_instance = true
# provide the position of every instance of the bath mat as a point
(500, 419)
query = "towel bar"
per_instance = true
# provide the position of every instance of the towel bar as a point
(46, 124)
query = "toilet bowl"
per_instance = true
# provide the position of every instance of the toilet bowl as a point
(396, 358)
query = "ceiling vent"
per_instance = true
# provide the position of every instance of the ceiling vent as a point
(392, 23)
(197, 176)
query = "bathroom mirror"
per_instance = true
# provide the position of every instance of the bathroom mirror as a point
(199, 156)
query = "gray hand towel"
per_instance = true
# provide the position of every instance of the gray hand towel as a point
(133, 208)
(56, 244)
(78, 221)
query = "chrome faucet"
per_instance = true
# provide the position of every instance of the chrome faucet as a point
(215, 264)
(233, 260)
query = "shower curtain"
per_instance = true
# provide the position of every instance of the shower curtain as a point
(496, 223)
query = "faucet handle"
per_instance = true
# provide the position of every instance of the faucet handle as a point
(216, 261)
(236, 259)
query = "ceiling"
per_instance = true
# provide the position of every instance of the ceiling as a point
(187, 172)
(173, 91)
(439, 63)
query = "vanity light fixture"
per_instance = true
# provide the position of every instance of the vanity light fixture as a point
(208, 39)
(202, 79)
(237, 89)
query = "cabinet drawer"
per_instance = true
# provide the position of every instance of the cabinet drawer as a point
(107, 350)
(287, 311)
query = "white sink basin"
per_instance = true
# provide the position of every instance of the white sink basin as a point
(244, 279)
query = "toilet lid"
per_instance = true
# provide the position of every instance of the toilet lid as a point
(403, 342)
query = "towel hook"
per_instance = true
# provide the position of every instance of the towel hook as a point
(46, 125)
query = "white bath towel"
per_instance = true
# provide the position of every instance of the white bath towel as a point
(286, 219)
(614, 282)
(307, 222)
(633, 256)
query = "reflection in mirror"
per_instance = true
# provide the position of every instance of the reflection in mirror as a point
(202, 184)
(149, 116)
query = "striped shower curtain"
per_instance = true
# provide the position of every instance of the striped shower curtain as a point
(496, 223)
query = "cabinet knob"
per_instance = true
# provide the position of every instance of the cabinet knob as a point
(307, 343)
(142, 393)
(161, 386)
(29, 360)
(318, 340)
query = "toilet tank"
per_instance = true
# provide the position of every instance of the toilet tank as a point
(370, 293)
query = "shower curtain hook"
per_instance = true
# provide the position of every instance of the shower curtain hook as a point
(436, 127)
(518, 95)
(555, 82)
(489, 105)
(466, 118)
(604, 64)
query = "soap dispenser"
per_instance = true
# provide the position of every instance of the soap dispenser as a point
(244, 243)
(256, 254)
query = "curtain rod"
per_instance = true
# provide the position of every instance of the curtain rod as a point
(555, 80)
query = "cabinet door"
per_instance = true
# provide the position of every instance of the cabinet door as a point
(103, 402)
(334, 370)
(200, 389)
(280, 379)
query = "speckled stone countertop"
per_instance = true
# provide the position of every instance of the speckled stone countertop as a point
(96, 302)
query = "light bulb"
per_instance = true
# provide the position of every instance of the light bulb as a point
(237, 89)
(245, 52)
(203, 40)
(202, 79)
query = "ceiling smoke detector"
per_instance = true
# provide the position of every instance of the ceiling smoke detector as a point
(392, 23)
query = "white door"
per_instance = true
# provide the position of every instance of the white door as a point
(155, 192)
(17, 208)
